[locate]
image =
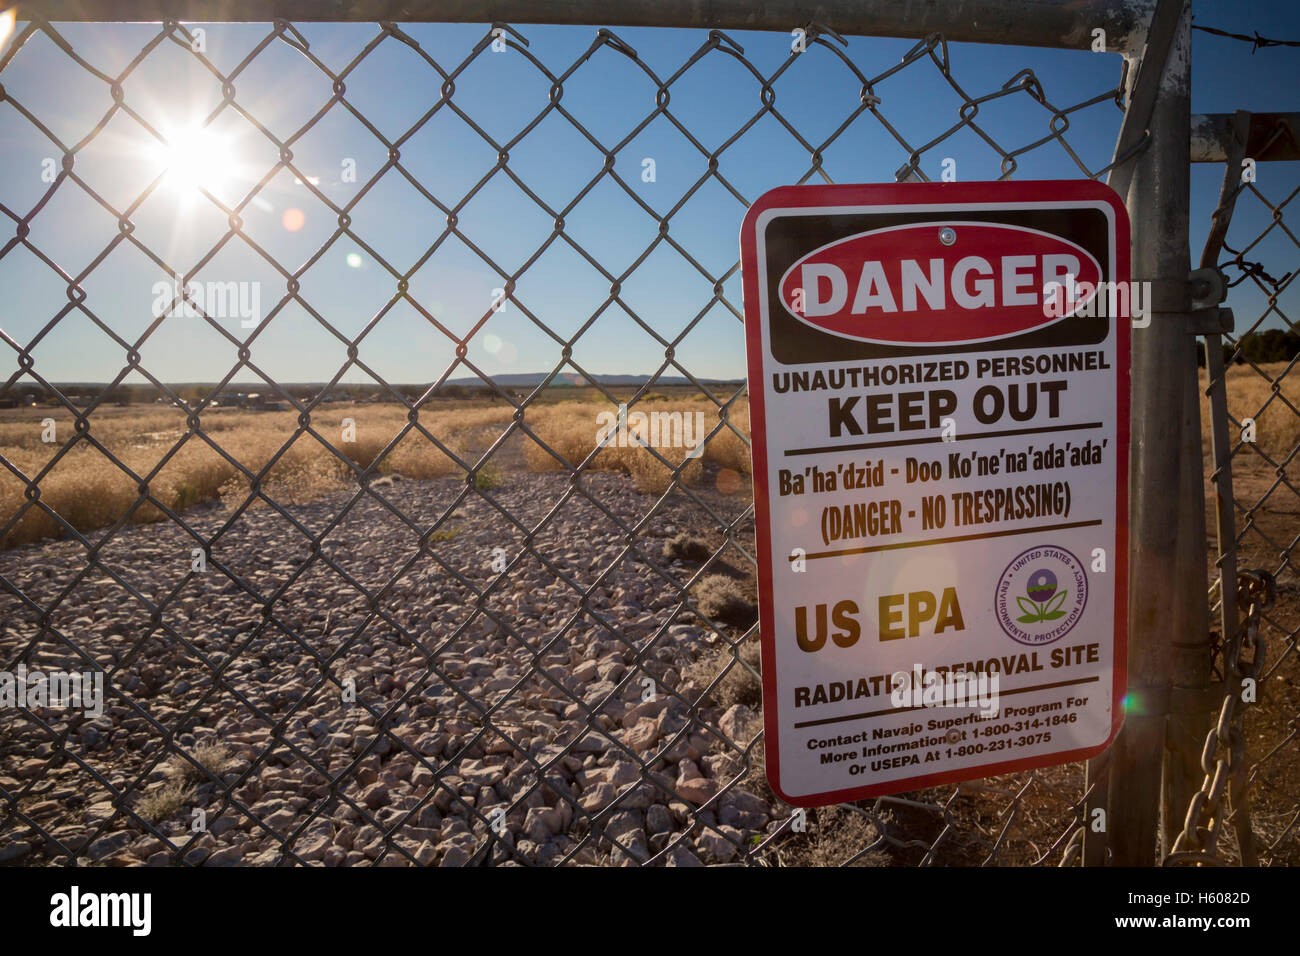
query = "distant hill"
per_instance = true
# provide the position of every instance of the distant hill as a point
(27, 392)
(525, 378)
(536, 378)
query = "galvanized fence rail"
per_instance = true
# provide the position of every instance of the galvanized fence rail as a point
(534, 713)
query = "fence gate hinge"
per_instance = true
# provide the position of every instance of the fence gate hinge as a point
(1198, 297)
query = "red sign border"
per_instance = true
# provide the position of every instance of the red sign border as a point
(992, 194)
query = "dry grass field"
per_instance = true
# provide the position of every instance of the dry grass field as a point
(89, 491)
(1269, 396)
(183, 469)
(567, 429)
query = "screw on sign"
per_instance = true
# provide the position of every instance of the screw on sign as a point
(938, 379)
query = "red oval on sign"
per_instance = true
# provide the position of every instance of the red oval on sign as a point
(940, 283)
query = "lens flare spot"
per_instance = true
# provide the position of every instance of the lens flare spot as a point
(293, 220)
(728, 481)
(7, 20)
(492, 343)
(354, 260)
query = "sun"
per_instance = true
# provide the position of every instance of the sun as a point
(192, 158)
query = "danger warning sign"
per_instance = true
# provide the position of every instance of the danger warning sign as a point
(938, 382)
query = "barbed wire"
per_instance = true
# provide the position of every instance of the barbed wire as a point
(1256, 41)
(1250, 269)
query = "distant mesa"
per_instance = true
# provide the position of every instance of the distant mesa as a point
(263, 396)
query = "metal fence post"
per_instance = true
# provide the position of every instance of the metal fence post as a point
(1167, 609)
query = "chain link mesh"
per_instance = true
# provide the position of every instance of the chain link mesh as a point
(1251, 752)
(589, 695)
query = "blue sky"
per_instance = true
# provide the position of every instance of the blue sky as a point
(503, 92)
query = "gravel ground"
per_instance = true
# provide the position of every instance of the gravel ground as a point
(525, 725)
(524, 710)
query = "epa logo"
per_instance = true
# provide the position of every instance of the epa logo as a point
(1041, 595)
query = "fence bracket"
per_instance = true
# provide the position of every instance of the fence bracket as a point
(1210, 322)
(1201, 290)
(1197, 297)
(1207, 288)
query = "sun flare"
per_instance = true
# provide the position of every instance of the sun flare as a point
(192, 158)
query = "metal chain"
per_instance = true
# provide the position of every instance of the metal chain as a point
(1223, 757)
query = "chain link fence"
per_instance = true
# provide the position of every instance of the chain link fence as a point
(1252, 425)
(540, 650)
